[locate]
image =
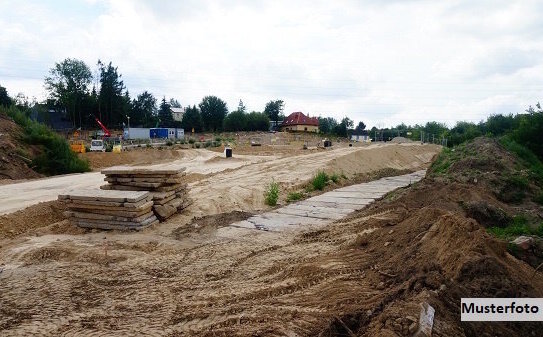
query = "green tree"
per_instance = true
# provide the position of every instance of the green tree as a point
(174, 103)
(165, 114)
(241, 106)
(213, 111)
(327, 124)
(235, 121)
(257, 121)
(360, 127)
(192, 120)
(144, 111)
(111, 103)
(68, 84)
(5, 100)
(274, 110)
(341, 128)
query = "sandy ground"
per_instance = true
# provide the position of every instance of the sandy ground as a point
(187, 275)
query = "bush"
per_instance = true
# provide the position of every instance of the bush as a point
(216, 144)
(197, 145)
(218, 139)
(191, 141)
(148, 146)
(320, 180)
(335, 178)
(272, 194)
(207, 143)
(169, 143)
(539, 198)
(293, 196)
(57, 156)
(109, 148)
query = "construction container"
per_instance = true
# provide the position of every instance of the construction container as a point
(158, 133)
(228, 152)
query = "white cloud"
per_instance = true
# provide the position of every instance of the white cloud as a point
(380, 62)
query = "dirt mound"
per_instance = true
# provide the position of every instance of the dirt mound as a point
(209, 223)
(31, 218)
(15, 155)
(136, 156)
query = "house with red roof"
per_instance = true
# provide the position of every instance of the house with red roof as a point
(297, 121)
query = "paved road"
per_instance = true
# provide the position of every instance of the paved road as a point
(329, 206)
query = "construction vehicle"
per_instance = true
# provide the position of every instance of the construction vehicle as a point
(107, 133)
(97, 145)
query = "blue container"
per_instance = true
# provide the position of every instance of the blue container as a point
(158, 133)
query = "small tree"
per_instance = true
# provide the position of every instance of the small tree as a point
(192, 120)
(274, 110)
(213, 110)
(5, 100)
(165, 114)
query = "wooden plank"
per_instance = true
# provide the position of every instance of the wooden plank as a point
(167, 180)
(309, 214)
(321, 209)
(345, 205)
(147, 204)
(113, 227)
(143, 170)
(116, 223)
(126, 213)
(101, 195)
(95, 216)
(341, 200)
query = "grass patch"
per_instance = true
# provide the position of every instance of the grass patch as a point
(294, 196)
(525, 156)
(442, 162)
(320, 180)
(271, 194)
(518, 226)
(335, 178)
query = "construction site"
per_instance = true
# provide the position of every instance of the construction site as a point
(180, 241)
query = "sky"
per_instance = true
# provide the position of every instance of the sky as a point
(382, 62)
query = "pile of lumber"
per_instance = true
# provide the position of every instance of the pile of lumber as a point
(166, 186)
(109, 209)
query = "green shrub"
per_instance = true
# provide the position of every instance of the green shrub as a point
(272, 194)
(197, 145)
(216, 144)
(343, 175)
(109, 148)
(319, 180)
(191, 141)
(335, 178)
(218, 139)
(539, 198)
(169, 143)
(57, 156)
(207, 143)
(293, 196)
(149, 145)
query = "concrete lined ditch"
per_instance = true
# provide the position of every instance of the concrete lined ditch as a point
(329, 206)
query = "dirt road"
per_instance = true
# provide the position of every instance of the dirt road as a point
(183, 276)
(20, 195)
(243, 186)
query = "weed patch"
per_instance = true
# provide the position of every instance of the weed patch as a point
(319, 180)
(272, 194)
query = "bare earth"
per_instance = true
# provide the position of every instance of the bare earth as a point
(191, 275)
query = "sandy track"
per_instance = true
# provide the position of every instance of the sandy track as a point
(20, 195)
(227, 282)
(243, 189)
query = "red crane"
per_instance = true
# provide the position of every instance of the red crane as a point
(107, 133)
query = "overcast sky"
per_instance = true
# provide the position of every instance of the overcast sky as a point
(382, 62)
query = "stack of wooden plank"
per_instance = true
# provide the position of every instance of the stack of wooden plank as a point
(166, 186)
(109, 209)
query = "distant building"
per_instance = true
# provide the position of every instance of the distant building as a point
(177, 114)
(297, 121)
(361, 136)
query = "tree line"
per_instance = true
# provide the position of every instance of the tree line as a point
(73, 90)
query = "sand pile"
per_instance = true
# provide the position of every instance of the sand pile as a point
(167, 187)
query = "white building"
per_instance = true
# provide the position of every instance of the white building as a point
(178, 113)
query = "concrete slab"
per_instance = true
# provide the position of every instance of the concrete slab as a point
(310, 214)
(340, 200)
